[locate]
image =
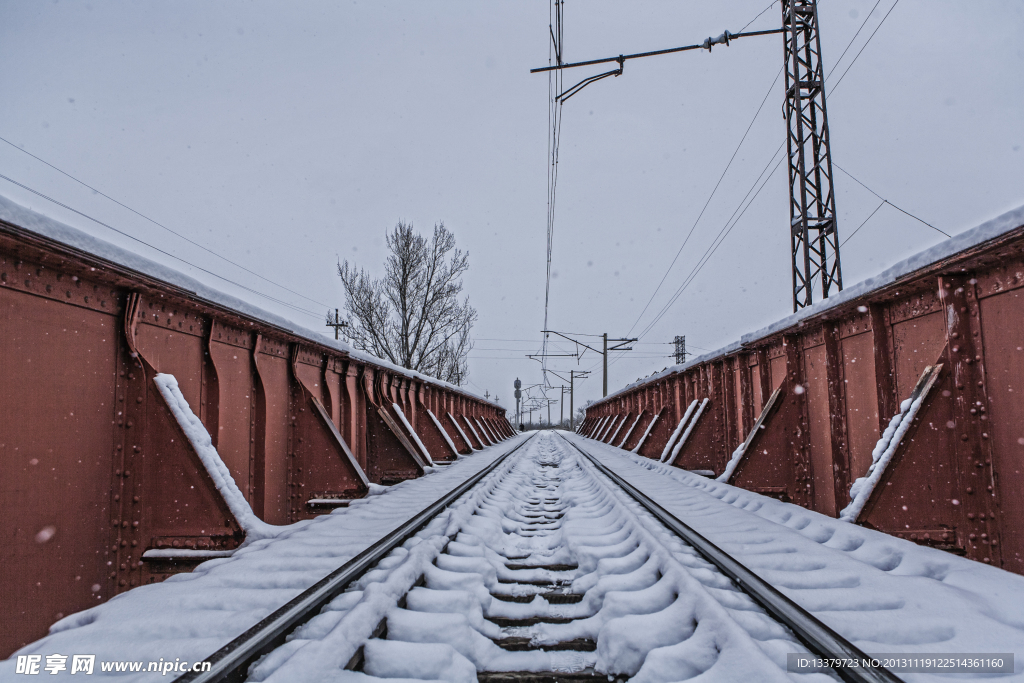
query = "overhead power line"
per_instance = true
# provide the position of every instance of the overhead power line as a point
(158, 224)
(159, 250)
(715, 189)
(886, 201)
(866, 42)
(556, 50)
(707, 203)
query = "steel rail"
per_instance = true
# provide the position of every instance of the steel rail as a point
(231, 662)
(813, 633)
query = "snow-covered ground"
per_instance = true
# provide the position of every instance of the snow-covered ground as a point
(885, 594)
(547, 566)
(190, 616)
(544, 567)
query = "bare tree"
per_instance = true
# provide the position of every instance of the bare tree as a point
(412, 316)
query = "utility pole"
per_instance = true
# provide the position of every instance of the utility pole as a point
(618, 345)
(680, 353)
(337, 324)
(573, 376)
(605, 360)
(814, 238)
(519, 394)
(561, 407)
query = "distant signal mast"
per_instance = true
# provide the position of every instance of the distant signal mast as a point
(814, 238)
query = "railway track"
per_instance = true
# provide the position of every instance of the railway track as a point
(546, 566)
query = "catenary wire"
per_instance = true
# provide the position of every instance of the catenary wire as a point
(831, 71)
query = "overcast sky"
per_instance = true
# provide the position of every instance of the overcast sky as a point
(287, 135)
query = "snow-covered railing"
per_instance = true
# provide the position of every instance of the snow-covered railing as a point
(413, 434)
(193, 429)
(618, 429)
(646, 434)
(462, 433)
(737, 455)
(862, 488)
(444, 434)
(631, 428)
(686, 434)
(678, 430)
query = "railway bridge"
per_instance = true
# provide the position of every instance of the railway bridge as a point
(267, 504)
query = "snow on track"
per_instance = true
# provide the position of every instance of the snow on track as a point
(544, 567)
(190, 616)
(885, 594)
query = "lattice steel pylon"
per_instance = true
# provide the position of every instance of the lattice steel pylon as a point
(812, 206)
